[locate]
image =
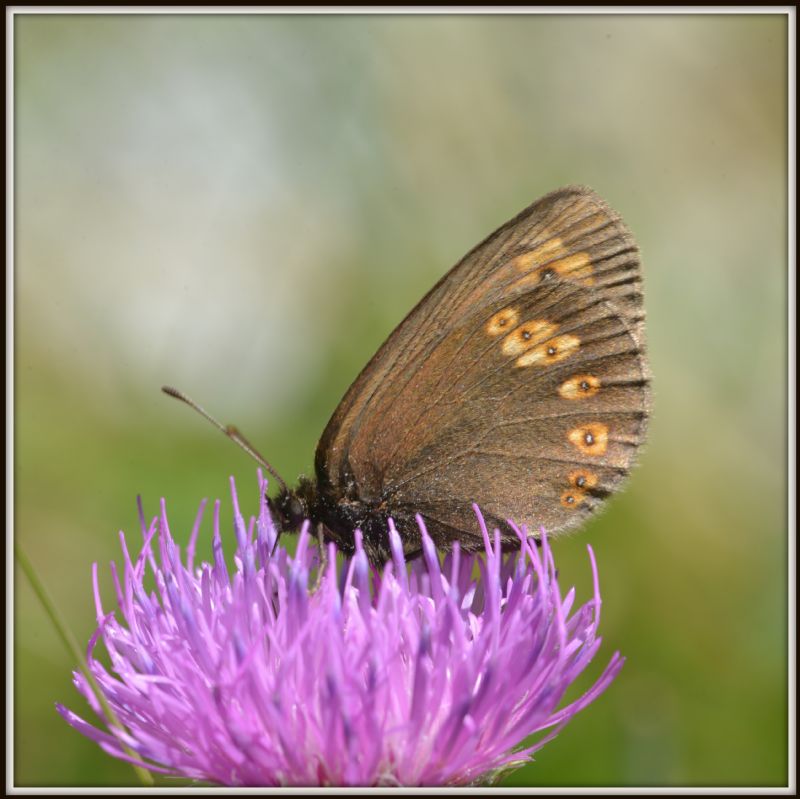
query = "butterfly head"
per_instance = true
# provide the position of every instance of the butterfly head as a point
(293, 506)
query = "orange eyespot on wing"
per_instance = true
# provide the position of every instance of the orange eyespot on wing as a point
(527, 281)
(576, 267)
(552, 257)
(502, 322)
(582, 478)
(590, 439)
(552, 351)
(528, 335)
(552, 248)
(579, 387)
(572, 498)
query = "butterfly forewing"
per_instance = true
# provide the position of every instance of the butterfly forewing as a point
(519, 382)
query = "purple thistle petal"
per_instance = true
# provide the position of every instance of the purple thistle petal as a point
(192, 545)
(415, 674)
(220, 571)
(398, 557)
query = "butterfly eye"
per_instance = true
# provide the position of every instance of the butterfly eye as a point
(296, 508)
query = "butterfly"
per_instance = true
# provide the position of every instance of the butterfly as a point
(519, 382)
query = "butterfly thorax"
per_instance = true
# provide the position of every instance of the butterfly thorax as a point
(339, 516)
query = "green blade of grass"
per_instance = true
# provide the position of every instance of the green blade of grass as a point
(69, 641)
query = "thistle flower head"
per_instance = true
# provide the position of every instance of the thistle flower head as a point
(422, 673)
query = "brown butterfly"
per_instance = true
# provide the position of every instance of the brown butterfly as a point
(519, 382)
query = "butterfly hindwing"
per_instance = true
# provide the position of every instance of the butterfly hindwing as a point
(518, 382)
(507, 428)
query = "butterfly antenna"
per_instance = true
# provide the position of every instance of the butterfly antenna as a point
(229, 430)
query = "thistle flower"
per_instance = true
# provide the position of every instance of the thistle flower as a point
(419, 674)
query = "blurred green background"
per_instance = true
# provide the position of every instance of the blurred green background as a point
(246, 206)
